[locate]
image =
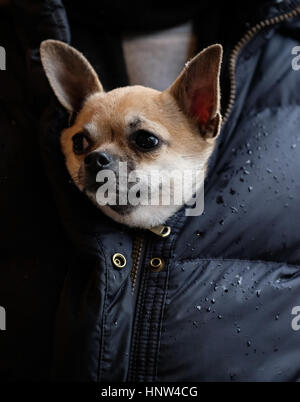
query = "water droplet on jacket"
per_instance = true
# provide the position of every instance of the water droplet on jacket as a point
(115, 323)
(277, 317)
(248, 343)
(294, 146)
(195, 324)
(269, 170)
(219, 317)
(198, 308)
(213, 301)
(250, 188)
(240, 279)
(238, 330)
(232, 191)
(208, 309)
(234, 210)
(221, 222)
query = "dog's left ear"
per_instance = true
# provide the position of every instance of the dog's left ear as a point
(70, 75)
(197, 90)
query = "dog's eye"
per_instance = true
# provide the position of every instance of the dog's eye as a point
(144, 140)
(80, 143)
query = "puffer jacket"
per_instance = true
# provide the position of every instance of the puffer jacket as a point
(222, 306)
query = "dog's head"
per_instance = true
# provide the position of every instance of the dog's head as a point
(124, 143)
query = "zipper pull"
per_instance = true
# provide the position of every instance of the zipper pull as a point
(161, 230)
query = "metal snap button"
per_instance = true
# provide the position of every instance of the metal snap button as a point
(165, 232)
(161, 230)
(119, 260)
(156, 264)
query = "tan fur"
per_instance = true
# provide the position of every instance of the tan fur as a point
(111, 117)
(111, 114)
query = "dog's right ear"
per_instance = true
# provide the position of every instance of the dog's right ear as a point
(70, 75)
(197, 90)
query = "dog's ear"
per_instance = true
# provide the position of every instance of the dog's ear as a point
(70, 75)
(197, 90)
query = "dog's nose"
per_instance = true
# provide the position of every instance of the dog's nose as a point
(96, 161)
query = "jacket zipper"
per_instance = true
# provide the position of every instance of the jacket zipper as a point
(242, 42)
(137, 248)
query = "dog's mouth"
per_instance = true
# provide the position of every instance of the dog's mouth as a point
(114, 198)
(122, 209)
(118, 205)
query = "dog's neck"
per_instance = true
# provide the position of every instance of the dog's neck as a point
(155, 59)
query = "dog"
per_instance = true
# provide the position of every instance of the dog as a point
(139, 129)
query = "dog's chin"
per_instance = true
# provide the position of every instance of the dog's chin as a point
(140, 216)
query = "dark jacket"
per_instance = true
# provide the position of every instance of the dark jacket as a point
(221, 308)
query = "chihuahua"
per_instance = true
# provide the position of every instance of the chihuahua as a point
(136, 130)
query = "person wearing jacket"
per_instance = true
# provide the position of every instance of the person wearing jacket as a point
(224, 305)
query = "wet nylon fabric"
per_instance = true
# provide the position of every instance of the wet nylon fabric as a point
(221, 308)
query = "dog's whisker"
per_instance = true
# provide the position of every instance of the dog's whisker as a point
(188, 156)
